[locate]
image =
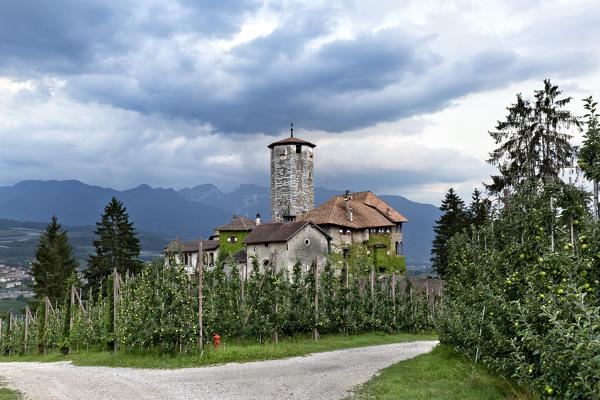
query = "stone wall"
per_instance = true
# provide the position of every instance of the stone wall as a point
(297, 248)
(292, 181)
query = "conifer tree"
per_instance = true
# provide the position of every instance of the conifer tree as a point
(532, 143)
(478, 209)
(589, 156)
(117, 245)
(54, 263)
(454, 220)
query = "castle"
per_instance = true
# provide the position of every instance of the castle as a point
(350, 225)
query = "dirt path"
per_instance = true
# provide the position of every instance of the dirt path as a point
(318, 376)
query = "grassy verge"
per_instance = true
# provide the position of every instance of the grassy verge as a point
(440, 374)
(228, 352)
(9, 394)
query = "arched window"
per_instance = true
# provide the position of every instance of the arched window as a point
(399, 248)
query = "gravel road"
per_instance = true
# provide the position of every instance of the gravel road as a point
(327, 375)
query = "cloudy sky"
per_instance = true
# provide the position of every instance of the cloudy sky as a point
(397, 95)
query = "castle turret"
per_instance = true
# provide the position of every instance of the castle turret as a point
(292, 178)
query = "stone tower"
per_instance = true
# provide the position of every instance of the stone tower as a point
(292, 178)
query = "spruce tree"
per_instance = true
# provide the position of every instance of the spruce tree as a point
(478, 209)
(589, 156)
(117, 245)
(54, 263)
(454, 220)
(532, 143)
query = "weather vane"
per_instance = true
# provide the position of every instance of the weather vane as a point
(292, 129)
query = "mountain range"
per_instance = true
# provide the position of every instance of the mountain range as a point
(163, 214)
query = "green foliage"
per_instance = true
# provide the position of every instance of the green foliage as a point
(542, 319)
(117, 246)
(54, 262)
(226, 248)
(157, 310)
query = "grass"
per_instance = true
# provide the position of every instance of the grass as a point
(440, 374)
(9, 394)
(228, 352)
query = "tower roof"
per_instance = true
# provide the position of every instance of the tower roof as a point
(291, 140)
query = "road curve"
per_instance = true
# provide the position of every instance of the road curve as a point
(328, 375)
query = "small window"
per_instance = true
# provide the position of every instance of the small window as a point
(232, 239)
(298, 148)
(266, 244)
(307, 242)
(346, 253)
(265, 262)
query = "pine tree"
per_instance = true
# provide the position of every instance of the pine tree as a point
(453, 220)
(532, 144)
(54, 263)
(589, 156)
(478, 209)
(117, 245)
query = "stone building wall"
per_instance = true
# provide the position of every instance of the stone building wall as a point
(292, 181)
(295, 249)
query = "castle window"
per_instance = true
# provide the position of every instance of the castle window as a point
(298, 148)
(232, 239)
(346, 253)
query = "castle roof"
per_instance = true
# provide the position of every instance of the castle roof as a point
(368, 211)
(190, 247)
(291, 140)
(239, 224)
(270, 232)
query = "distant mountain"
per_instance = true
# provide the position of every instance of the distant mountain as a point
(188, 213)
(75, 203)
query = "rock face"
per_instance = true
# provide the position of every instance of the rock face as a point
(292, 179)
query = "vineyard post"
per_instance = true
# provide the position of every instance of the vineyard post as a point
(276, 306)
(115, 294)
(200, 272)
(71, 315)
(47, 309)
(26, 326)
(315, 330)
(347, 295)
(1, 321)
(552, 226)
(427, 301)
(373, 296)
(394, 299)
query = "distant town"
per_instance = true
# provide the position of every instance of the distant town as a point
(15, 281)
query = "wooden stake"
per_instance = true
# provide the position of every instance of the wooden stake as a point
(346, 310)
(276, 306)
(315, 330)
(394, 299)
(200, 276)
(373, 295)
(115, 295)
(26, 326)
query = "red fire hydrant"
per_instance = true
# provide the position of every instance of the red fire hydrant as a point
(216, 341)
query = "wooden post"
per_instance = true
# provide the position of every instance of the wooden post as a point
(346, 310)
(315, 330)
(373, 295)
(394, 299)
(71, 315)
(276, 306)
(26, 326)
(200, 273)
(115, 295)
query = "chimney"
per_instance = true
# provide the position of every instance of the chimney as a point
(257, 219)
(347, 198)
(235, 216)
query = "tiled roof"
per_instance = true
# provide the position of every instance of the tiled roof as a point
(368, 211)
(291, 140)
(190, 247)
(239, 224)
(270, 232)
(370, 199)
(239, 257)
